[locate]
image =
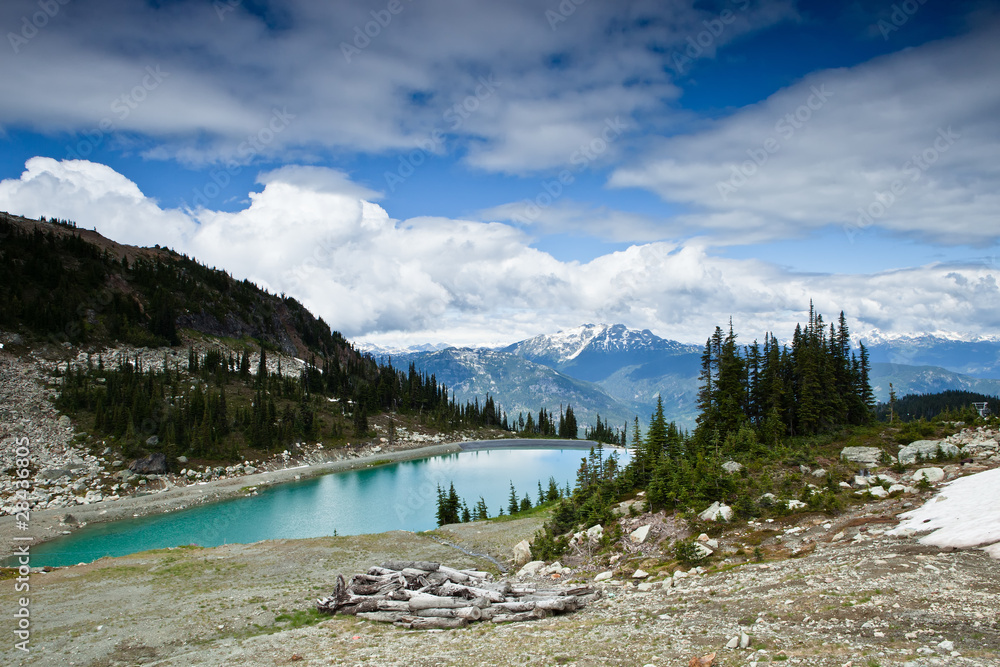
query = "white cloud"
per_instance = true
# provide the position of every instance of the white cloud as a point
(420, 70)
(906, 143)
(307, 233)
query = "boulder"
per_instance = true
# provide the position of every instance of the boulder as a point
(182, 459)
(152, 441)
(530, 569)
(54, 473)
(522, 553)
(732, 466)
(717, 512)
(878, 492)
(932, 475)
(869, 456)
(595, 532)
(819, 473)
(640, 574)
(702, 551)
(639, 535)
(64, 421)
(979, 448)
(926, 449)
(155, 464)
(795, 504)
(604, 576)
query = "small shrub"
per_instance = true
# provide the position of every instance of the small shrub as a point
(686, 552)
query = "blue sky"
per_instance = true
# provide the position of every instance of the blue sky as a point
(476, 173)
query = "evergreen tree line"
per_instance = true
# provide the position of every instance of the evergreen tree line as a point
(950, 405)
(453, 509)
(748, 411)
(546, 425)
(814, 386)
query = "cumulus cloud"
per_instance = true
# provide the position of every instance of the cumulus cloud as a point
(905, 143)
(310, 234)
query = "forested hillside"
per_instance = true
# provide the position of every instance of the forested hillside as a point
(759, 407)
(74, 288)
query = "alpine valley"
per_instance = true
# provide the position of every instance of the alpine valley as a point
(617, 372)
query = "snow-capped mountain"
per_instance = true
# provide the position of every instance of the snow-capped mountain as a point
(976, 356)
(617, 372)
(597, 351)
(516, 384)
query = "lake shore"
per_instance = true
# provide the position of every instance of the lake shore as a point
(45, 525)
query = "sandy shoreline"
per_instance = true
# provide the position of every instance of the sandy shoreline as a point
(46, 525)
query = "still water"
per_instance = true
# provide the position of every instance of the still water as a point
(398, 496)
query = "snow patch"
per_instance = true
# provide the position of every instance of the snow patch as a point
(964, 514)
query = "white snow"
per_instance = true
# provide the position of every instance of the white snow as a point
(964, 514)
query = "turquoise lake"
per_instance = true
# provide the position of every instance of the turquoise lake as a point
(398, 496)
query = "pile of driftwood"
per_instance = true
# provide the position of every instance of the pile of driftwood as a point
(424, 595)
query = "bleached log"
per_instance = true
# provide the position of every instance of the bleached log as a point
(436, 602)
(477, 574)
(512, 618)
(449, 588)
(393, 605)
(434, 623)
(514, 607)
(414, 573)
(561, 604)
(468, 613)
(454, 575)
(385, 616)
(400, 565)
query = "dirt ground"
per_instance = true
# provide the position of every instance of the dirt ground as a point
(855, 596)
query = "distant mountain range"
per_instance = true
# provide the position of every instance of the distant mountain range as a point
(617, 372)
(979, 357)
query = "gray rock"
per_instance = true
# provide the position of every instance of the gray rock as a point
(639, 535)
(868, 456)
(154, 464)
(932, 475)
(64, 421)
(152, 441)
(819, 473)
(732, 466)
(531, 568)
(182, 459)
(54, 473)
(702, 550)
(927, 449)
(733, 643)
(522, 553)
(640, 574)
(604, 576)
(717, 512)
(744, 640)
